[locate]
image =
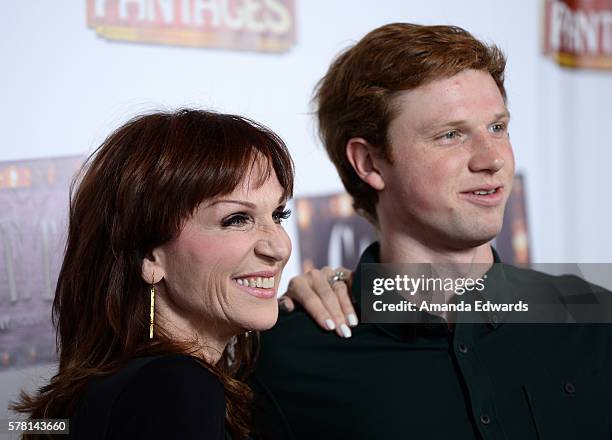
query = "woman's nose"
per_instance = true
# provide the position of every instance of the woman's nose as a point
(274, 243)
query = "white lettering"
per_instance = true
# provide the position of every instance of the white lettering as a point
(586, 30)
(377, 286)
(186, 11)
(558, 12)
(579, 31)
(100, 8)
(251, 19)
(606, 32)
(142, 8)
(233, 23)
(209, 6)
(279, 22)
(167, 10)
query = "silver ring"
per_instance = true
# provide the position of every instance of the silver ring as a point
(338, 276)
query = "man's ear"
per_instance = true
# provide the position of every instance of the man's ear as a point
(360, 154)
(153, 267)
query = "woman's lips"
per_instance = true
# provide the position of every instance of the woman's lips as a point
(264, 291)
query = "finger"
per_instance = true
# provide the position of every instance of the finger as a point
(342, 293)
(285, 304)
(348, 279)
(345, 296)
(300, 289)
(320, 283)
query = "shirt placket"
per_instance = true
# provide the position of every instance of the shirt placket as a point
(477, 382)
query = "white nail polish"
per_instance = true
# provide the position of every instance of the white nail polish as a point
(352, 319)
(330, 324)
(346, 331)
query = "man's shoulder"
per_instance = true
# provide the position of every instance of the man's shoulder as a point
(295, 328)
(561, 295)
(297, 341)
(561, 284)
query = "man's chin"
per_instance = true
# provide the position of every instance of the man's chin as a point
(473, 239)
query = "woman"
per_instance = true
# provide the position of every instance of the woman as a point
(175, 250)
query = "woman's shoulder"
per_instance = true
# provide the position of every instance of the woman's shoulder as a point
(181, 368)
(158, 375)
(160, 395)
(172, 386)
(174, 375)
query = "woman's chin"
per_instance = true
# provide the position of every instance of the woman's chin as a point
(262, 320)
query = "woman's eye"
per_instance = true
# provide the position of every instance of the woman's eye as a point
(236, 220)
(279, 216)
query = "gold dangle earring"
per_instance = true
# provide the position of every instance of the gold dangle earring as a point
(152, 312)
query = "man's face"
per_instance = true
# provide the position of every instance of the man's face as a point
(452, 164)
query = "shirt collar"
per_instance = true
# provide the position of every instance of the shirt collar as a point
(497, 290)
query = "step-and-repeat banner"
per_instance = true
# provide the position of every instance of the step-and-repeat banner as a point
(34, 207)
(259, 25)
(578, 33)
(34, 193)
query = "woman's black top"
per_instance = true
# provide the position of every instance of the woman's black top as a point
(161, 397)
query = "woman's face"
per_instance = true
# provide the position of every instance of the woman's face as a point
(221, 274)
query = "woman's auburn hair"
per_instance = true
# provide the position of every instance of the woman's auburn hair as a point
(357, 95)
(133, 194)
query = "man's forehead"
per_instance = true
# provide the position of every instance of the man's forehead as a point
(464, 96)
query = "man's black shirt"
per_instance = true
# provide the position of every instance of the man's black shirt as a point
(493, 381)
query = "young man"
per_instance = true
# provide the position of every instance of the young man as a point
(415, 121)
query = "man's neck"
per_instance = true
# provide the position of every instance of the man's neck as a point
(472, 262)
(400, 248)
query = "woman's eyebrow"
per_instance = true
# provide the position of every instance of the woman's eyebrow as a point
(237, 202)
(281, 201)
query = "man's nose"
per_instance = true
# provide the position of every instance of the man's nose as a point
(486, 154)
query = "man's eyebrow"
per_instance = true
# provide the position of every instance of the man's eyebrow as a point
(459, 122)
(504, 114)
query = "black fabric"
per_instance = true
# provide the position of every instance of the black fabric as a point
(164, 397)
(479, 381)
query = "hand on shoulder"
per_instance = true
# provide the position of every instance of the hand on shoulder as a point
(325, 295)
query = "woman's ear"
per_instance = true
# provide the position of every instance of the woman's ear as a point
(153, 267)
(359, 154)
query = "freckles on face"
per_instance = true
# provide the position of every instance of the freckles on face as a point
(448, 138)
(421, 176)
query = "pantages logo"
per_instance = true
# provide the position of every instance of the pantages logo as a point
(258, 25)
(578, 33)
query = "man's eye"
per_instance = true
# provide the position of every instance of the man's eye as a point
(236, 220)
(498, 128)
(279, 216)
(450, 135)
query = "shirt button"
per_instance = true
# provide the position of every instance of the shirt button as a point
(569, 388)
(485, 419)
(463, 348)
